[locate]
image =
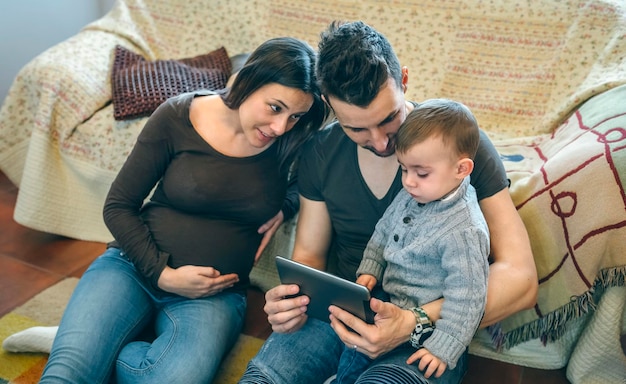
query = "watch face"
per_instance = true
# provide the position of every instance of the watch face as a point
(425, 335)
(420, 334)
(423, 329)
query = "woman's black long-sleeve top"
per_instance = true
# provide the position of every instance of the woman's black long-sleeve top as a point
(206, 207)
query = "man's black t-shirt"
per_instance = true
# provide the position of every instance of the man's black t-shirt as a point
(329, 172)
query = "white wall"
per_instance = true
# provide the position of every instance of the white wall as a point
(29, 27)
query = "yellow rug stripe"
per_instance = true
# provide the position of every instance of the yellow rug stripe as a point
(235, 362)
(12, 365)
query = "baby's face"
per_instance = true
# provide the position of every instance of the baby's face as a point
(429, 170)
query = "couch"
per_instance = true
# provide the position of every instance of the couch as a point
(546, 80)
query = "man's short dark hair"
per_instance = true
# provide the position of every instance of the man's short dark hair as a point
(354, 62)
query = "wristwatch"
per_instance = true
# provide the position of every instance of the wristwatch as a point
(423, 329)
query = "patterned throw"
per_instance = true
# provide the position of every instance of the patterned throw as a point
(569, 188)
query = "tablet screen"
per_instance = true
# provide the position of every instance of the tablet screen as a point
(325, 289)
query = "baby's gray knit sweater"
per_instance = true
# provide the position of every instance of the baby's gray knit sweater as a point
(424, 252)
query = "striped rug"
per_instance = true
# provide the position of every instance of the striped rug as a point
(47, 307)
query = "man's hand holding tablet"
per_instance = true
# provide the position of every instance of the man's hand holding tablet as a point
(325, 289)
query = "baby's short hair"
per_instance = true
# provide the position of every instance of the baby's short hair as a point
(452, 120)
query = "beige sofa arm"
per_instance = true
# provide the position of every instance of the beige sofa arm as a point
(73, 79)
(264, 275)
(55, 92)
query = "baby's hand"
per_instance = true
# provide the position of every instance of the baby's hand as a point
(368, 281)
(428, 361)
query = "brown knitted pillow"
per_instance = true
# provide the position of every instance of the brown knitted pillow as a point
(140, 86)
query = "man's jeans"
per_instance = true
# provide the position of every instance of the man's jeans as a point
(311, 355)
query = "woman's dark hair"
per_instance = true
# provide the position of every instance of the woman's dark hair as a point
(289, 62)
(354, 62)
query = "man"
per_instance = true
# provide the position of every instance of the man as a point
(348, 176)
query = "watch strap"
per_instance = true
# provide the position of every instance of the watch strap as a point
(423, 329)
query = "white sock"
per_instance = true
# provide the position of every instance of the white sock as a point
(35, 339)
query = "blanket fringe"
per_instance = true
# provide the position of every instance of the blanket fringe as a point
(552, 326)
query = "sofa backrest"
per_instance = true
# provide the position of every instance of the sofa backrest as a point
(522, 67)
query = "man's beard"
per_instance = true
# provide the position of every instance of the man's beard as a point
(389, 151)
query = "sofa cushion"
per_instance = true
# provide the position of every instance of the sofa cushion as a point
(140, 86)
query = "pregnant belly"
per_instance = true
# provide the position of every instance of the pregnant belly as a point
(227, 246)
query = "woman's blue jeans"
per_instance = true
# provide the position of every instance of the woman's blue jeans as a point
(113, 303)
(312, 354)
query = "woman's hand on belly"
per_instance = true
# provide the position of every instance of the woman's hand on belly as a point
(194, 282)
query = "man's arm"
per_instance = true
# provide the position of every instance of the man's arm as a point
(513, 281)
(313, 234)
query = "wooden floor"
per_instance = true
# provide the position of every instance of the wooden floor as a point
(31, 261)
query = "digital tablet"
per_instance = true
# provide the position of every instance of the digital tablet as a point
(325, 289)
